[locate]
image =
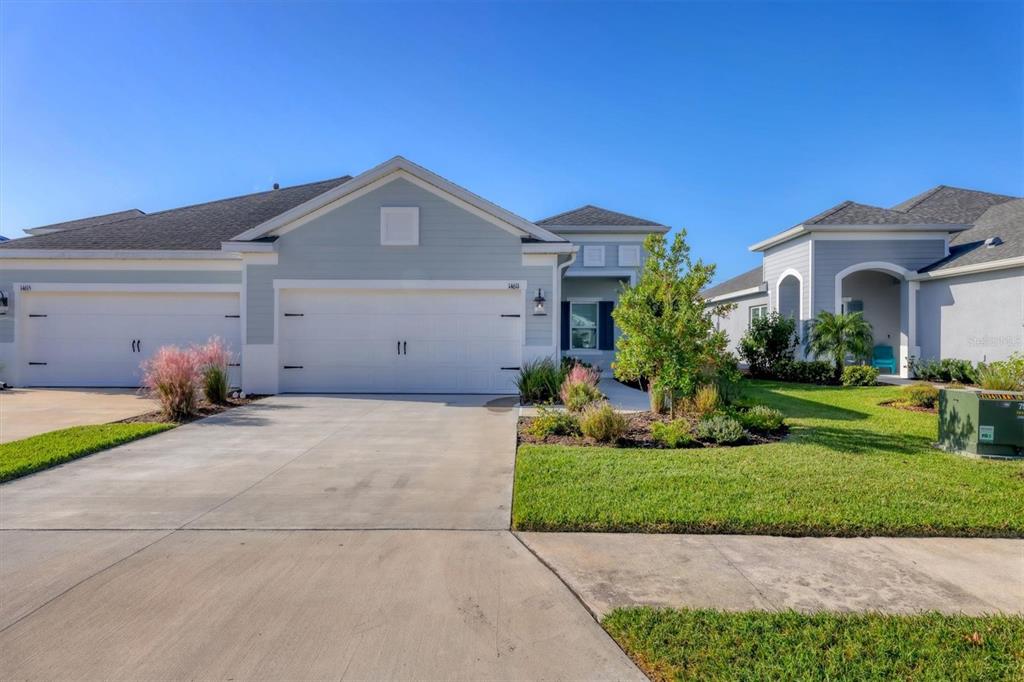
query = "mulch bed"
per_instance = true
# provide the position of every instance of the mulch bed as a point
(638, 435)
(900, 405)
(205, 409)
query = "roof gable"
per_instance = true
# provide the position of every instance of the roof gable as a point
(397, 167)
(852, 213)
(952, 204)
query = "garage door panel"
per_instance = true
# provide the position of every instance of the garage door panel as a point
(86, 339)
(452, 341)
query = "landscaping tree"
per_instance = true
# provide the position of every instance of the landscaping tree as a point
(769, 340)
(836, 335)
(669, 338)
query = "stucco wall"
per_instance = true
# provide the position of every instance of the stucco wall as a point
(735, 323)
(974, 317)
(880, 294)
(345, 244)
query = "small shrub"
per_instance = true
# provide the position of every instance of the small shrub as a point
(549, 422)
(602, 423)
(577, 396)
(806, 372)
(860, 375)
(1003, 375)
(721, 429)
(172, 377)
(213, 359)
(658, 398)
(672, 434)
(769, 340)
(762, 418)
(539, 381)
(705, 400)
(920, 395)
(946, 370)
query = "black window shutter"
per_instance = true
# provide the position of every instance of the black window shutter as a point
(566, 312)
(605, 325)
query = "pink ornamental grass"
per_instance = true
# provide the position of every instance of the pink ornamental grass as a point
(579, 374)
(213, 359)
(172, 376)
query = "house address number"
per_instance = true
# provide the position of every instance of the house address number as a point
(513, 285)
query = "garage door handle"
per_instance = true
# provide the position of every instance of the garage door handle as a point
(398, 347)
(512, 368)
(133, 345)
(510, 315)
(405, 347)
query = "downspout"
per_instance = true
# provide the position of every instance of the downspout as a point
(557, 331)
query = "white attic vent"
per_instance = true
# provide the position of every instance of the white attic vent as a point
(593, 256)
(629, 256)
(399, 226)
(993, 241)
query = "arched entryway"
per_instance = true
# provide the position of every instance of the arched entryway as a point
(883, 293)
(789, 298)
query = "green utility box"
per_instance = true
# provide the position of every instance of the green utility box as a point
(986, 423)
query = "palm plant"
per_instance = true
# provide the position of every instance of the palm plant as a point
(837, 335)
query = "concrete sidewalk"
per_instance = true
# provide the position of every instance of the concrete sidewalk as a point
(738, 572)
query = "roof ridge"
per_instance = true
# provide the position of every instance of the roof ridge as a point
(830, 211)
(927, 195)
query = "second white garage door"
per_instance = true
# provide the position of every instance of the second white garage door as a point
(398, 341)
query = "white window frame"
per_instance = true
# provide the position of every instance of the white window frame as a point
(593, 256)
(750, 312)
(597, 324)
(410, 211)
(629, 256)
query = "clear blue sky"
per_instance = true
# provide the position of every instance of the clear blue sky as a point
(732, 120)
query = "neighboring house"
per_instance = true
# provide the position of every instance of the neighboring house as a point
(396, 280)
(940, 275)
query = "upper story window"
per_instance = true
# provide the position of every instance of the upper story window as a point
(757, 312)
(593, 256)
(399, 226)
(629, 256)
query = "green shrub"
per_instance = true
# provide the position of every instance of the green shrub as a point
(602, 423)
(762, 418)
(769, 340)
(672, 434)
(920, 395)
(946, 370)
(806, 372)
(577, 396)
(539, 381)
(720, 429)
(550, 422)
(860, 375)
(568, 362)
(1003, 375)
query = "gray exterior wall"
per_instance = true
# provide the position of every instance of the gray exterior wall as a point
(736, 322)
(973, 317)
(794, 254)
(345, 244)
(832, 256)
(611, 255)
(600, 288)
(881, 296)
(8, 276)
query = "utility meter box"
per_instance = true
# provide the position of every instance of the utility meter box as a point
(986, 423)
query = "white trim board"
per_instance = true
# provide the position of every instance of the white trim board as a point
(125, 288)
(226, 265)
(402, 284)
(881, 266)
(778, 284)
(398, 167)
(990, 266)
(738, 294)
(858, 232)
(117, 254)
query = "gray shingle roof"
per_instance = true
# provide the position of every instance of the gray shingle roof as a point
(199, 227)
(1004, 221)
(952, 204)
(852, 213)
(748, 280)
(94, 220)
(590, 215)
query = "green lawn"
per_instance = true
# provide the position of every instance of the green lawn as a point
(712, 645)
(849, 467)
(28, 455)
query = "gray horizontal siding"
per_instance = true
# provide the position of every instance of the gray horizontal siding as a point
(602, 289)
(735, 323)
(611, 256)
(832, 256)
(9, 276)
(778, 259)
(345, 244)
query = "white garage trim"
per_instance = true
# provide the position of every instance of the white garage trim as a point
(129, 288)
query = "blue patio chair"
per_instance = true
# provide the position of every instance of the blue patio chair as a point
(883, 359)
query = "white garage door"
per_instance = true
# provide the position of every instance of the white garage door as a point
(357, 341)
(99, 339)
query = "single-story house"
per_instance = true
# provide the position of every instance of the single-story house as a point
(940, 275)
(396, 280)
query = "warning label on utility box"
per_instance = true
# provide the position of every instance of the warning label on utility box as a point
(986, 433)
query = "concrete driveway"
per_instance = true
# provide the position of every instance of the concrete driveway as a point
(301, 537)
(26, 412)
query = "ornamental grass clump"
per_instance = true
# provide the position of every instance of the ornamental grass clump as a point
(172, 377)
(212, 360)
(539, 381)
(602, 423)
(579, 388)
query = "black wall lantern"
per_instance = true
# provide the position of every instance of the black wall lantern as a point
(538, 303)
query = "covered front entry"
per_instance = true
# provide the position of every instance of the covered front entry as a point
(100, 338)
(885, 297)
(399, 340)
